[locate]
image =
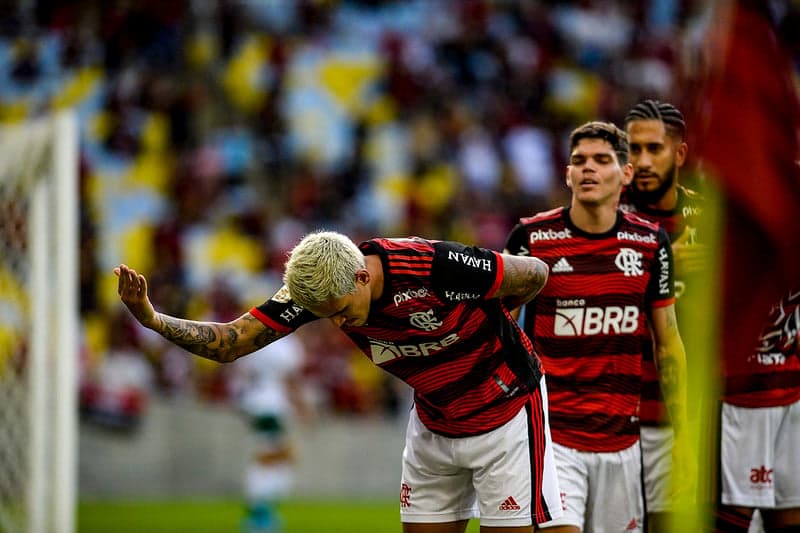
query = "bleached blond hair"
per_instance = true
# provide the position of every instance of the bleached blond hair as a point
(322, 267)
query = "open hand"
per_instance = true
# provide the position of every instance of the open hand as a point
(132, 290)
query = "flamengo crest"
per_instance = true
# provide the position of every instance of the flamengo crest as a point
(629, 261)
(426, 321)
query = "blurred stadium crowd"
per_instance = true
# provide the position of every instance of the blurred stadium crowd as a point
(214, 134)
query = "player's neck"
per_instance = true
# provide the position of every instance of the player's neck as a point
(668, 201)
(593, 218)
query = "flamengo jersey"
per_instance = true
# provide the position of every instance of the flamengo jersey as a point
(770, 377)
(437, 327)
(681, 222)
(589, 321)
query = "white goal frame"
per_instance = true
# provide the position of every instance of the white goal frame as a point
(44, 154)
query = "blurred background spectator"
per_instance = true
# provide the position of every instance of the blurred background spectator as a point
(214, 134)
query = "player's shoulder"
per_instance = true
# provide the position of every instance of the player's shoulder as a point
(542, 217)
(396, 244)
(639, 222)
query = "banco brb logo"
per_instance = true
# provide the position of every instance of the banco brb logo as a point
(574, 321)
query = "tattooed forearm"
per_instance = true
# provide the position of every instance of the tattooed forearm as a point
(186, 331)
(672, 387)
(216, 341)
(523, 278)
(671, 362)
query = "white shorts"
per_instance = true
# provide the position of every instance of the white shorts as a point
(656, 444)
(268, 483)
(760, 456)
(491, 476)
(601, 491)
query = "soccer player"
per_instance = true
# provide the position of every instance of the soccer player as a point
(657, 151)
(435, 314)
(269, 391)
(610, 282)
(760, 428)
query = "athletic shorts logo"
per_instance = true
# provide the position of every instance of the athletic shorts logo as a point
(629, 261)
(405, 495)
(761, 476)
(510, 504)
(576, 321)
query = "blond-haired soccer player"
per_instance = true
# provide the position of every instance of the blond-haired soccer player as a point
(435, 314)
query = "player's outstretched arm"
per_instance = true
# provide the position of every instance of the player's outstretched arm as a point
(213, 340)
(523, 278)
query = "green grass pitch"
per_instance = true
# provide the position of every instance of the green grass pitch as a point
(224, 517)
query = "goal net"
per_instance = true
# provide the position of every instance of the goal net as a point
(38, 324)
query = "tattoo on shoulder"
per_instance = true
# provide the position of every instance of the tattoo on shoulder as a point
(533, 276)
(263, 338)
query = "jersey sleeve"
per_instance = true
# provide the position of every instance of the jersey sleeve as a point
(661, 289)
(281, 313)
(517, 241)
(461, 272)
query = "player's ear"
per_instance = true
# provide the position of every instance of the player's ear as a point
(680, 154)
(627, 174)
(362, 276)
(566, 177)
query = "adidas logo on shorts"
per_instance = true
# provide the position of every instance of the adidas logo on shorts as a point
(509, 505)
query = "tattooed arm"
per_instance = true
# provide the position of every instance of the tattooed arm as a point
(213, 340)
(523, 278)
(670, 358)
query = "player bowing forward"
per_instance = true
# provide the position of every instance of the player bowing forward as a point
(435, 314)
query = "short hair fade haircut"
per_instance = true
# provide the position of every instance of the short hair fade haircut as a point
(606, 131)
(665, 112)
(322, 267)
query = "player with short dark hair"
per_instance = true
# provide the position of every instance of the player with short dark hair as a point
(435, 314)
(610, 284)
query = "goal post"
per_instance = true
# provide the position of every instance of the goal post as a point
(39, 320)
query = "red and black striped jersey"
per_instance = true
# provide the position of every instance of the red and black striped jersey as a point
(679, 223)
(589, 323)
(438, 327)
(770, 376)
